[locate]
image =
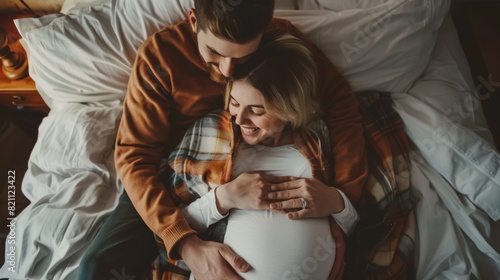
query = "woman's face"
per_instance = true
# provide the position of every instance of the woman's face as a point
(256, 124)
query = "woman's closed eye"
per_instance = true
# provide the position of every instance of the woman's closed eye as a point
(257, 111)
(253, 109)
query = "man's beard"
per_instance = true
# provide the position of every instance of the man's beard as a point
(215, 75)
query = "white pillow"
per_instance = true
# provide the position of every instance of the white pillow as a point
(385, 47)
(285, 4)
(70, 6)
(338, 5)
(87, 54)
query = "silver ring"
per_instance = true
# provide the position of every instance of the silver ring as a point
(304, 202)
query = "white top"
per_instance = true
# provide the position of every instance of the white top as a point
(275, 246)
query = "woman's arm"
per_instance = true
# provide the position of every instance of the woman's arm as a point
(248, 192)
(203, 212)
(347, 218)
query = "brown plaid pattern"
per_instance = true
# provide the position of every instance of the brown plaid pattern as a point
(383, 244)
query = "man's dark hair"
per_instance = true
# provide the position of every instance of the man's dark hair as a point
(239, 21)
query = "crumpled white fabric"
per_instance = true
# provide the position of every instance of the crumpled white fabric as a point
(456, 171)
(383, 47)
(455, 239)
(72, 185)
(443, 117)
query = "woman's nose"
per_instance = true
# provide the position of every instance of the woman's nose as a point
(239, 117)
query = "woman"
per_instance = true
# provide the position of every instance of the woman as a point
(226, 162)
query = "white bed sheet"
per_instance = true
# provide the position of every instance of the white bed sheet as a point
(443, 117)
(455, 171)
(72, 185)
(455, 240)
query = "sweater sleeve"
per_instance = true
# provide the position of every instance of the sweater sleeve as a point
(341, 113)
(347, 218)
(141, 140)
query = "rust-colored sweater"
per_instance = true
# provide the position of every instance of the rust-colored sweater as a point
(170, 88)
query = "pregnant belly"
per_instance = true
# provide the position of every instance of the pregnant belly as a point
(279, 248)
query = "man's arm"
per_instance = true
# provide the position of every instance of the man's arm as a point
(144, 137)
(141, 141)
(342, 116)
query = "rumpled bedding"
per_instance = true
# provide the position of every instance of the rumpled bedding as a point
(72, 185)
(455, 172)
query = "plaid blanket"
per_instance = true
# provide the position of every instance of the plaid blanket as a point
(383, 244)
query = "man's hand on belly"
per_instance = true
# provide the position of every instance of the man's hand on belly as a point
(211, 260)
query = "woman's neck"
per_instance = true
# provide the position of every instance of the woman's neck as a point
(280, 139)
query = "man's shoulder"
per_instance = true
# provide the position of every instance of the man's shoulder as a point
(174, 41)
(172, 33)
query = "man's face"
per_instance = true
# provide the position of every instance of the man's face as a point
(221, 56)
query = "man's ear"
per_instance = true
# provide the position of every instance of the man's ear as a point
(192, 20)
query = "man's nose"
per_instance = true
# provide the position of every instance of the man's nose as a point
(226, 66)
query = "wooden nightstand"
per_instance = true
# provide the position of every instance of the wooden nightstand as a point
(17, 92)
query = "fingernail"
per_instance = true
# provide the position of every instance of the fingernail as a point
(274, 206)
(245, 267)
(290, 216)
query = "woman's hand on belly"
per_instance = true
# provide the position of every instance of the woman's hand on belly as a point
(249, 191)
(321, 199)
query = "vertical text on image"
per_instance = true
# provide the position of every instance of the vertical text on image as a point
(10, 255)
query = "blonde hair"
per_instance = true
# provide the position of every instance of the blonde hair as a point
(285, 73)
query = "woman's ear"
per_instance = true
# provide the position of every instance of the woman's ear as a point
(192, 20)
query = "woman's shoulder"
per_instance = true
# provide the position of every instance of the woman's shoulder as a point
(316, 131)
(214, 124)
(319, 129)
(214, 119)
(207, 139)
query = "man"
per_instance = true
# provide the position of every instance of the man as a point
(179, 75)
